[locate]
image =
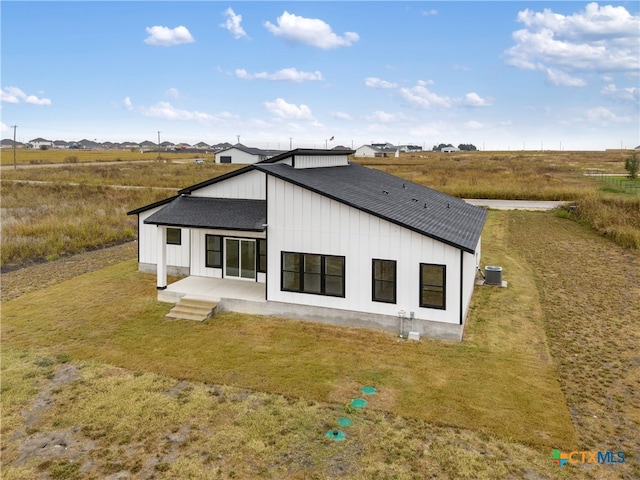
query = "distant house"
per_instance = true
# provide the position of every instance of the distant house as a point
(309, 235)
(221, 146)
(8, 143)
(129, 145)
(385, 146)
(410, 148)
(449, 149)
(60, 144)
(202, 146)
(182, 146)
(40, 143)
(167, 145)
(88, 144)
(148, 145)
(376, 150)
(241, 154)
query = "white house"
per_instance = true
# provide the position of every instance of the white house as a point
(40, 143)
(241, 154)
(376, 150)
(449, 149)
(321, 239)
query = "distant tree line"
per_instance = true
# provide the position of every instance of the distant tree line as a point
(465, 147)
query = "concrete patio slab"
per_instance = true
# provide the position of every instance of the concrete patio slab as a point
(213, 290)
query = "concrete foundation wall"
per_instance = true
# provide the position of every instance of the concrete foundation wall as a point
(171, 269)
(345, 318)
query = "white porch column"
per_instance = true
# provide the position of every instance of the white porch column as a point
(161, 257)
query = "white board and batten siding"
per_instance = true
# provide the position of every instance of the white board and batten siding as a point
(177, 255)
(199, 251)
(366, 151)
(316, 161)
(249, 185)
(237, 156)
(305, 222)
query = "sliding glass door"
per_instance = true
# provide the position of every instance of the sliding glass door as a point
(240, 258)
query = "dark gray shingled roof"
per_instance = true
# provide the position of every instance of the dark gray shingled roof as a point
(205, 212)
(435, 214)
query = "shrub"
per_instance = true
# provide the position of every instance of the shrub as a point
(632, 165)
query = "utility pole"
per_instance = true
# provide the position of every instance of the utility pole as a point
(238, 137)
(15, 165)
(290, 143)
(159, 145)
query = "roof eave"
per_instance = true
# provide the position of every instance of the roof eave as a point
(186, 225)
(152, 205)
(378, 215)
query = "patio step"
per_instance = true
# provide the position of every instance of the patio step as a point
(192, 309)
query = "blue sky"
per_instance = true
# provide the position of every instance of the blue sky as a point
(500, 75)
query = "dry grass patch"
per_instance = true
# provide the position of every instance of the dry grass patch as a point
(590, 292)
(170, 176)
(30, 156)
(118, 422)
(504, 175)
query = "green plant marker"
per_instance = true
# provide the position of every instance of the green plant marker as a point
(345, 422)
(358, 402)
(368, 390)
(336, 435)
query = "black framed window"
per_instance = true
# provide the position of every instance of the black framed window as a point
(262, 255)
(213, 251)
(310, 273)
(225, 159)
(383, 281)
(174, 236)
(433, 285)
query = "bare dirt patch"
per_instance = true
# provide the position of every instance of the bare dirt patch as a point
(41, 275)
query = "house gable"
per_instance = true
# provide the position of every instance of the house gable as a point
(435, 214)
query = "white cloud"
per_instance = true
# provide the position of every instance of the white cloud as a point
(629, 94)
(173, 93)
(598, 39)
(233, 23)
(309, 31)
(227, 116)
(286, 74)
(473, 125)
(428, 13)
(474, 100)
(604, 116)
(373, 82)
(342, 115)
(282, 109)
(168, 112)
(383, 117)
(560, 78)
(127, 103)
(421, 96)
(167, 37)
(16, 95)
(432, 130)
